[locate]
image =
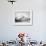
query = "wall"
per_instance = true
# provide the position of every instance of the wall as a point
(37, 30)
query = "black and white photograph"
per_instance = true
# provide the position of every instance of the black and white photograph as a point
(23, 18)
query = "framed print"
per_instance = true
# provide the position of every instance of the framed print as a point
(23, 17)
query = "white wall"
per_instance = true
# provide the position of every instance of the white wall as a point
(37, 30)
